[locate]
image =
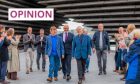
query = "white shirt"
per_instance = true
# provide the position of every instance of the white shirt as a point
(101, 40)
(64, 36)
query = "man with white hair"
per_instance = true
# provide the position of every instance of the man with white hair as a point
(81, 50)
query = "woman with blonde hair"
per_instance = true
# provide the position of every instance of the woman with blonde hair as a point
(133, 59)
(13, 63)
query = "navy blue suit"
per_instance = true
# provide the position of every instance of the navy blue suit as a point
(101, 50)
(66, 62)
(41, 51)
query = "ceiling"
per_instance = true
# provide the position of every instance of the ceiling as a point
(112, 13)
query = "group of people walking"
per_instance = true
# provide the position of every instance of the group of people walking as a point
(61, 48)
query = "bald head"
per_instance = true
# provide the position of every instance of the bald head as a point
(66, 28)
(100, 27)
(29, 30)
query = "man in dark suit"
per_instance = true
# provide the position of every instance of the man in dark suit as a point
(81, 50)
(41, 43)
(67, 42)
(102, 45)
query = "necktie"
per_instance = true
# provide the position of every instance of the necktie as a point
(80, 38)
(66, 36)
(41, 40)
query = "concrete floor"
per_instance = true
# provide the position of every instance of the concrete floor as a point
(39, 77)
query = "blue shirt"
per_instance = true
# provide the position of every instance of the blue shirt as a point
(54, 43)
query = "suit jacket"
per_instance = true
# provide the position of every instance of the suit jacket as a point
(96, 40)
(81, 49)
(4, 56)
(68, 43)
(59, 49)
(27, 41)
(40, 48)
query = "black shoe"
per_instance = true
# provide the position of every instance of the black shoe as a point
(80, 81)
(100, 73)
(68, 78)
(83, 78)
(60, 68)
(64, 77)
(43, 69)
(27, 72)
(31, 70)
(105, 73)
(38, 67)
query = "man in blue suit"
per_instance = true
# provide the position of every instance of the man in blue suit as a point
(67, 42)
(81, 50)
(102, 45)
(54, 50)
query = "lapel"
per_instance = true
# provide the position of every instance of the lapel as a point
(50, 40)
(57, 44)
(83, 38)
(79, 41)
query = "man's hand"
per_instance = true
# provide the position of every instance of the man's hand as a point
(32, 41)
(93, 50)
(63, 57)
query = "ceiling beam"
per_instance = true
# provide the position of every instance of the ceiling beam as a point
(54, 1)
(108, 19)
(111, 24)
(100, 14)
(93, 3)
(83, 10)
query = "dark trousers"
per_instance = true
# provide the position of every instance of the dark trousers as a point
(81, 67)
(66, 64)
(116, 57)
(102, 60)
(39, 54)
(3, 69)
(87, 63)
